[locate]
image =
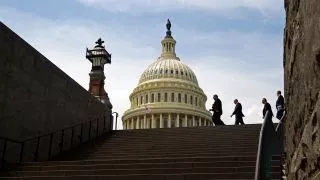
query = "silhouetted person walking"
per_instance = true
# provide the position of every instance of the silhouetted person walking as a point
(217, 111)
(279, 105)
(266, 108)
(238, 112)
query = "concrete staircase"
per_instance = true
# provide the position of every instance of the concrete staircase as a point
(223, 152)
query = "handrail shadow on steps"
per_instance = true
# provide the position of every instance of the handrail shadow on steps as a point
(48, 145)
(270, 143)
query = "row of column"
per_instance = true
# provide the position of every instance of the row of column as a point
(158, 121)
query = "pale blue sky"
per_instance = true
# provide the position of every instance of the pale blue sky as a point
(234, 46)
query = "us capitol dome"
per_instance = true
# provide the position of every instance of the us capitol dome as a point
(168, 94)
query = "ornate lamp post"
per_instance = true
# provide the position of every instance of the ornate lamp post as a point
(98, 56)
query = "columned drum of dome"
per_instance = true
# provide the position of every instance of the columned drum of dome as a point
(168, 94)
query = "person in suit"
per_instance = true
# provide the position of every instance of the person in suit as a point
(266, 107)
(279, 105)
(238, 113)
(217, 111)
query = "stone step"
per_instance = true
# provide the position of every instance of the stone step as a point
(179, 145)
(120, 160)
(172, 154)
(170, 150)
(202, 170)
(168, 142)
(165, 153)
(175, 146)
(98, 165)
(249, 134)
(183, 176)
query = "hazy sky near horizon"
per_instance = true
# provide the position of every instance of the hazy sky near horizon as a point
(233, 46)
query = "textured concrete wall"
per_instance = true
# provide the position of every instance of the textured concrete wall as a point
(36, 96)
(302, 87)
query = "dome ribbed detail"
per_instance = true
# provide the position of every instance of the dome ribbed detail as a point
(166, 67)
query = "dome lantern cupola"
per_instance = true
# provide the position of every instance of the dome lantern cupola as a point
(168, 44)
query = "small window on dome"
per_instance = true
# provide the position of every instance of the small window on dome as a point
(166, 71)
(160, 71)
(152, 97)
(181, 73)
(159, 97)
(196, 101)
(171, 71)
(191, 99)
(141, 98)
(165, 97)
(177, 72)
(179, 98)
(186, 98)
(186, 74)
(147, 99)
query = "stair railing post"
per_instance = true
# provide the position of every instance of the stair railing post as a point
(50, 145)
(111, 122)
(81, 132)
(36, 154)
(89, 136)
(97, 127)
(72, 134)
(61, 141)
(115, 126)
(21, 152)
(3, 160)
(104, 123)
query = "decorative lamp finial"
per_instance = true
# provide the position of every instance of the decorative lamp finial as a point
(168, 28)
(99, 42)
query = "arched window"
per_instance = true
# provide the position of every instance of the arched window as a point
(159, 97)
(152, 97)
(191, 99)
(179, 98)
(141, 100)
(196, 101)
(172, 97)
(186, 98)
(147, 99)
(165, 97)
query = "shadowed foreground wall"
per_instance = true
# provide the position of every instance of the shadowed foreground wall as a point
(36, 97)
(302, 87)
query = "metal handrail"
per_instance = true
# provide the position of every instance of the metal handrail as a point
(59, 133)
(117, 114)
(270, 141)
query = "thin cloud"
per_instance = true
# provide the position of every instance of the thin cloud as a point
(264, 6)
